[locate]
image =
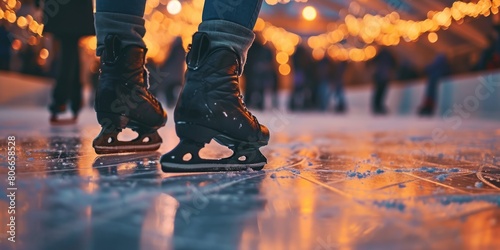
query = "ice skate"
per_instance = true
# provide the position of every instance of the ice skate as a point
(211, 107)
(55, 116)
(124, 101)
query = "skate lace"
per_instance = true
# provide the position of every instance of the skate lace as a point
(240, 97)
(152, 97)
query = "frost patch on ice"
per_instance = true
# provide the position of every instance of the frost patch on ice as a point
(463, 199)
(426, 169)
(362, 175)
(391, 204)
(478, 184)
(441, 177)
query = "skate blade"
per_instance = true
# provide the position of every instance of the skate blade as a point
(126, 148)
(115, 160)
(169, 167)
(175, 161)
(108, 143)
(63, 122)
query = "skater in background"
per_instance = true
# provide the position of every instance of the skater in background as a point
(5, 48)
(174, 68)
(260, 75)
(490, 58)
(435, 71)
(385, 64)
(331, 83)
(303, 73)
(210, 105)
(338, 86)
(68, 23)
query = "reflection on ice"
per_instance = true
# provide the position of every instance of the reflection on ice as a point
(363, 184)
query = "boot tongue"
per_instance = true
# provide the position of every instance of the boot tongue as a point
(198, 51)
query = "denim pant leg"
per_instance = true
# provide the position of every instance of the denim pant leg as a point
(129, 7)
(242, 12)
(120, 17)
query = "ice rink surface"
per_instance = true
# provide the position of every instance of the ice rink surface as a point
(331, 182)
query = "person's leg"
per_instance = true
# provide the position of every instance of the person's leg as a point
(378, 97)
(60, 90)
(123, 18)
(210, 105)
(340, 96)
(429, 101)
(75, 80)
(122, 96)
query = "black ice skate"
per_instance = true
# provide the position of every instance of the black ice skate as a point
(211, 107)
(123, 100)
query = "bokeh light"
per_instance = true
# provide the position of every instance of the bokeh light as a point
(433, 37)
(174, 7)
(284, 69)
(309, 13)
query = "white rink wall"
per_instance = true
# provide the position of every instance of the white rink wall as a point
(476, 94)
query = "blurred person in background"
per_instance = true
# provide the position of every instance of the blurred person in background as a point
(260, 75)
(490, 58)
(5, 48)
(435, 71)
(385, 64)
(302, 76)
(338, 86)
(331, 83)
(325, 70)
(174, 69)
(67, 23)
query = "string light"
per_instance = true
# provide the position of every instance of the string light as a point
(167, 19)
(388, 30)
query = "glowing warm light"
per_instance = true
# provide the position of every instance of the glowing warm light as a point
(11, 17)
(284, 69)
(282, 57)
(433, 37)
(44, 53)
(32, 40)
(272, 2)
(174, 7)
(1, 14)
(370, 52)
(22, 22)
(309, 13)
(11, 3)
(318, 54)
(259, 25)
(16, 44)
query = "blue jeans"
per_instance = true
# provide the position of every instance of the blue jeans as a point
(243, 12)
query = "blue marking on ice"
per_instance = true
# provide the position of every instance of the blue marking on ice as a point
(391, 204)
(441, 177)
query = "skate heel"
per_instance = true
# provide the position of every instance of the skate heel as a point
(195, 132)
(110, 121)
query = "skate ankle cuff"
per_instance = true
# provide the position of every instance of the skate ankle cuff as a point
(224, 33)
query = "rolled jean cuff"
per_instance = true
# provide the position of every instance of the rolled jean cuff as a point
(129, 28)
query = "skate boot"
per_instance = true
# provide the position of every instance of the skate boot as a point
(211, 107)
(123, 100)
